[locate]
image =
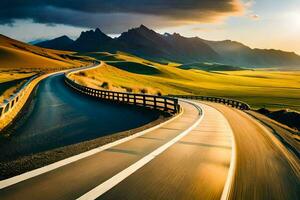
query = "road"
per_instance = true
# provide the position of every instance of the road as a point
(58, 116)
(73, 180)
(265, 169)
(196, 167)
(220, 153)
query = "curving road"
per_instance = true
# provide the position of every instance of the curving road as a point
(189, 157)
(210, 151)
(58, 116)
(265, 169)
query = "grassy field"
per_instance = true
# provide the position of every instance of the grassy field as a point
(11, 75)
(259, 88)
(11, 80)
(19, 60)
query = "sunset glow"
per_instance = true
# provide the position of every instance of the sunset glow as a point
(271, 24)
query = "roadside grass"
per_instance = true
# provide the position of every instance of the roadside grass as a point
(11, 80)
(7, 75)
(259, 88)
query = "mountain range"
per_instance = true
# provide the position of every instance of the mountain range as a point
(147, 43)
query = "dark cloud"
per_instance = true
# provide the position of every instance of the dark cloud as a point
(108, 13)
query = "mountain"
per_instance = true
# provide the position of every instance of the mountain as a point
(60, 43)
(16, 54)
(191, 49)
(93, 40)
(239, 54)
(144, 42)
(34, 42)
(147, 43)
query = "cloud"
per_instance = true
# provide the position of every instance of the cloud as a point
(109, 14)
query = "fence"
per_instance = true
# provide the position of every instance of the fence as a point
(10, 103)
(167, 104)
(234, 103)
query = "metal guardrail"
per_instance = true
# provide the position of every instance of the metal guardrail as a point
(167, 104)
(11, 102)
(234, 103)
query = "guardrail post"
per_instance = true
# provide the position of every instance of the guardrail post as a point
(154, 102)
(134, 99)
(166, 105)
(175, 105)
(144, 100)
(236, 104)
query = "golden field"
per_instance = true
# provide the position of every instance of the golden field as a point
(19, 60)
(259, 88)
(18, 55)
(11, 80)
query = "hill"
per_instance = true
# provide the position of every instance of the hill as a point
(147, 43)
(59, 43)
(211, 67)
(236, 53)
(16, 54)
(259, 88)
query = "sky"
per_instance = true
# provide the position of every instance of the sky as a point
(256, 23)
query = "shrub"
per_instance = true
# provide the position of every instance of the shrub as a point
(128, 89)
(159, 93)
(81, 73)
(144, 90)
(105, 85)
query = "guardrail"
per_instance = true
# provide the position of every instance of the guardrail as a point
(11, 102)
(166, 104)
(234, 103)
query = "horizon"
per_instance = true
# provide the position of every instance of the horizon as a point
(33, 42)
(252, 23)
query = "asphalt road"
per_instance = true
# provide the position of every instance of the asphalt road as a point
(196, 166)
(58, 116)
(74, 180)
(265, 168)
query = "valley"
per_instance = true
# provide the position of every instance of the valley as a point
(260, 88)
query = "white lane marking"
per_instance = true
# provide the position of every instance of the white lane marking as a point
(232, 166)
(113, 181)
(231, 171)
(27, 175)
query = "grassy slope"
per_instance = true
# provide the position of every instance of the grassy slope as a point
(15, 54)
(10, 81)
(273, 89)
(9, 75)
(211, 67)
(19, 60)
